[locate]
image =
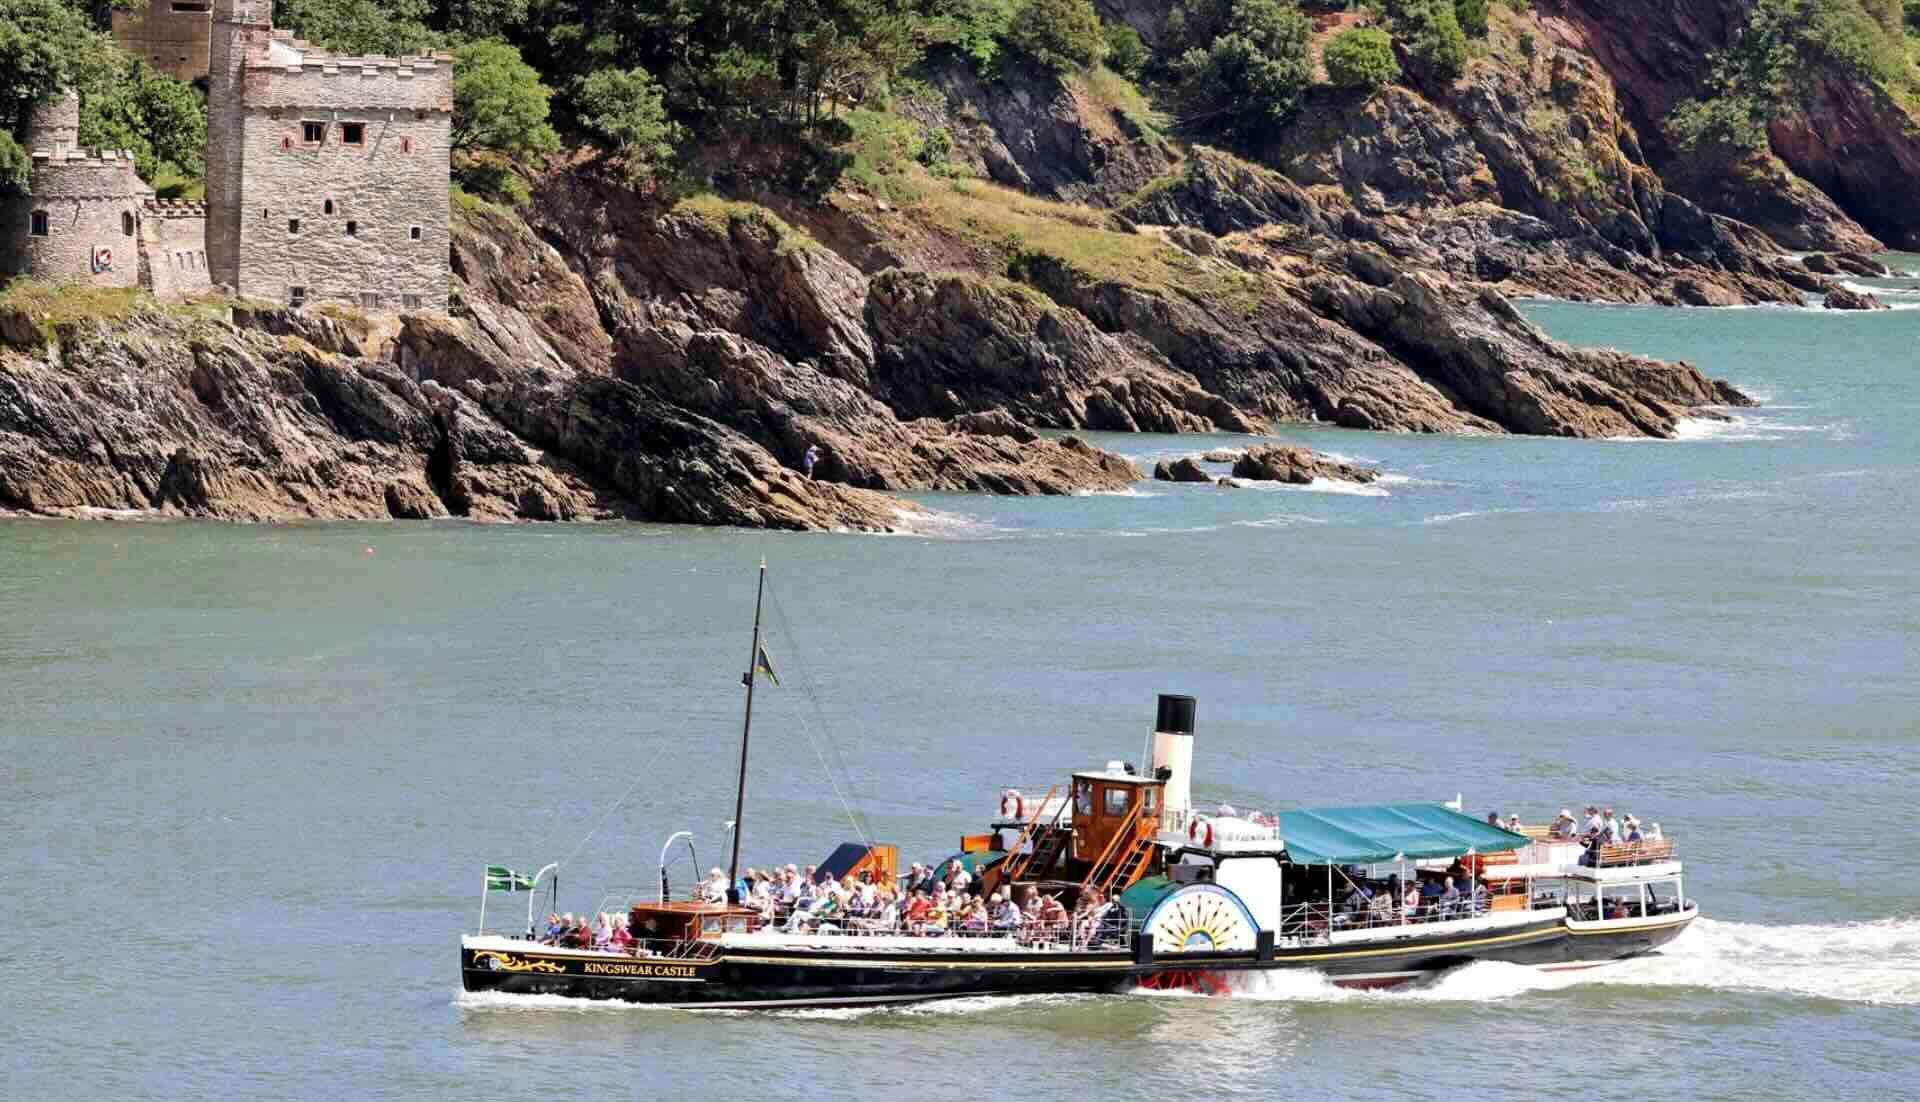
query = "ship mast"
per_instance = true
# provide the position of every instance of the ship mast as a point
(746, 728)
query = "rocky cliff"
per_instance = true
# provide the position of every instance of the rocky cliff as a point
(1071, 261)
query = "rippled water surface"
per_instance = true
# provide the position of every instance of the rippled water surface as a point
(249, 775)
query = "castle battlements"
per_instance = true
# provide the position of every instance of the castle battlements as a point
(175, 208)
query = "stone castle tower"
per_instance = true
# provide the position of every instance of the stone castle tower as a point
(326, 181)
(326, 173)
(80, 221)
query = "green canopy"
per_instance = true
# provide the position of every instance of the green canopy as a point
(1383, 832)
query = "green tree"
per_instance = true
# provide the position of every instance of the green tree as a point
(1361, 57)
(1062, 35)
(1253, 66)
(1472, 17)
(359, 26)
(162, 120)
(46, 48)
(1431, 32)
(623, 109)
(499, 103)
(1127, 55)
(1913, 15)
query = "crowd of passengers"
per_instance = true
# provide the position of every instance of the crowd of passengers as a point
(1362, 903)
(1601, 828)
(924, 902)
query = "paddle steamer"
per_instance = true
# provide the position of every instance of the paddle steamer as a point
(1202, 902)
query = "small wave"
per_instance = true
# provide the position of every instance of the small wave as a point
(933, 524)
(1137, 532)
(1449, 518)
(1131, 491)
(1739, 429)
(1282, 520)
(1317, 486)
(499, 1000)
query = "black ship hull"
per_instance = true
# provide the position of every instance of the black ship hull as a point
(750, 978)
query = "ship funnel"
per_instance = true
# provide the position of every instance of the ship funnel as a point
(1173, 757)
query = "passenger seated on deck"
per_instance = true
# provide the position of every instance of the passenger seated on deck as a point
(1449, 900)
(1653, 834)
(1513, 824)
(1380, 909)
(1005, 914)
(622, 939)
(714, 888)
(554, 928)
(1410, 905)
(1563, 825)
(1618, 909)
(1595, 825)
(1633, 829)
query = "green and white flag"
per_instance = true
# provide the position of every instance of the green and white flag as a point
(503, 879)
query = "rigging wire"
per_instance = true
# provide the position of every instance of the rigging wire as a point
(854, 819)
(645, 772)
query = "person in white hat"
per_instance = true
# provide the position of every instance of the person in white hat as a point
(1562, 825)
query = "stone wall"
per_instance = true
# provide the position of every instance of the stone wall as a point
(333, 170)
(92, 205)
(240, 30)
(171, 35)
(173, 252)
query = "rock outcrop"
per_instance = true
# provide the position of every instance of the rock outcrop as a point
(1297, 466)
(1184, 469)
(1846, 298)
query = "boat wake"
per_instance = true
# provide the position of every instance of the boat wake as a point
(1857, 962)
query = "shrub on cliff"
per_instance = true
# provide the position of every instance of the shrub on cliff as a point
(1431, 31)
(499, 118)
(622, 108)
(1717, 132)
(1127, 55)
(1244, 63)
(1361, 57)
(1472, 17)
(1062, 35)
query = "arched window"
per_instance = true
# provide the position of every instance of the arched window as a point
(327, 207)
(126, 222)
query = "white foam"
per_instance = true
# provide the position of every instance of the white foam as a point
(1317, 486)
(1449, 518)
(1279, 520)
(1859, 962)
(1131, 491)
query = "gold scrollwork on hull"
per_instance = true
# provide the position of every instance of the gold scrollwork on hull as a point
(507, 962)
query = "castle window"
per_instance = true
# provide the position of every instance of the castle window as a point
(410, 302)
(413, 233)
(293, 225)
(126, 223)
(369, 300)
(406, 145)
(353, 229)
(38, 224)
(313, 132)
(296, 296)
(353, 133)
(326, 207)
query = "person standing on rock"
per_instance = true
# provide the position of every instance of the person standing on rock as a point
(808, 460)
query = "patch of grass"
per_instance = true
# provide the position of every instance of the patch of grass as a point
(169, 184)
(1016, 228)
(1108, 89)
(721, 215)
(49, 308)
(884, 148)
(347, 316)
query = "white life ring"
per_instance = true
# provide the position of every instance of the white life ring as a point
(1012, 803)
(1201, 831)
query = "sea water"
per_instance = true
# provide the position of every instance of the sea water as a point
(249, 776)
